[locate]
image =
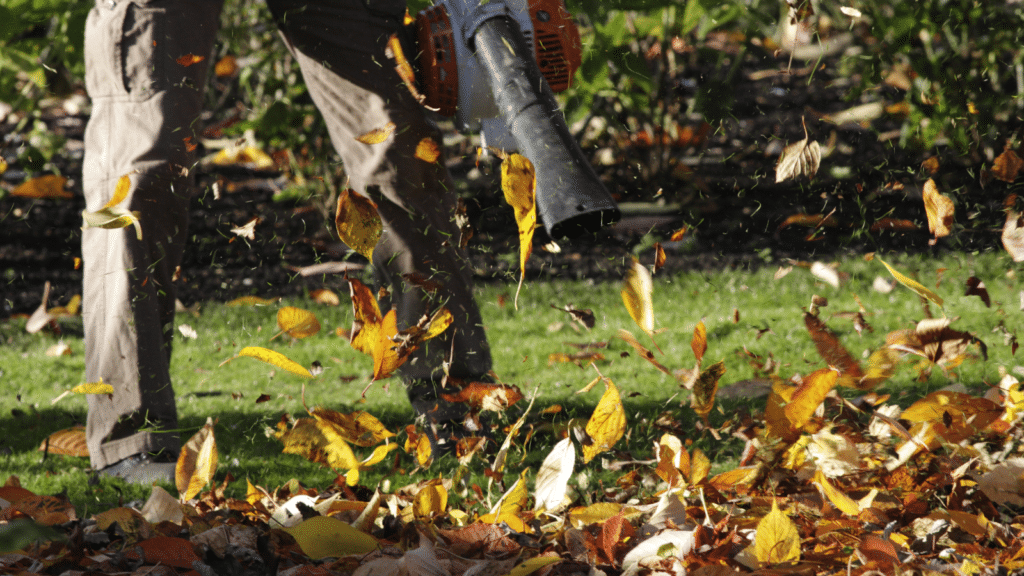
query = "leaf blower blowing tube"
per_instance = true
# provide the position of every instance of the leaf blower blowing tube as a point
(571, 199)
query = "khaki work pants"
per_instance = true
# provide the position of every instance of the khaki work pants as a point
(145, 107)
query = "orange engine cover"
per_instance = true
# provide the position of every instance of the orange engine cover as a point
(556, 42)
(440, 71)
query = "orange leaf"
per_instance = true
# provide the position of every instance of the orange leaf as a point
(939, 209)
(518, 182)
(366, 317)
(1007, 166)
(485, 396)
(832, 351)
(358, 222)
(428, 150)
(325, 296)
(659, 257)
(678, 234)
(190, 59)
(377, 135)
(642, 351)
(49, 186)
(894, 225)
(705, 388)
(297, 322)
(226, 66)
(67, 442)
(197, 462)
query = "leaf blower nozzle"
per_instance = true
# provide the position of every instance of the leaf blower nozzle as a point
(480, 58)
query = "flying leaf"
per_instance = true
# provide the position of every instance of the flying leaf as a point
(377, 135)
(636, 295)
(327, 537)
(366, 317)
(799, 159)
(49, 186)
(832, 350)
(642, 351)
(252, 301)
(935, 341)
(808, 395)
(607, 424)
(307, 438)
(358, 222)
(482, 396)
(1007, 166)
(245, 154)
(1013, 235)
(699, 342)
(553, 476)
(275, 359)
(659, 257)
(93, 388)
(939, 209)
(428, 150)
(226, 66)
(197, 462)
(975, 287)
(705, 388)
(247, 230)
(777, 540)
(325, 296)
(584, 317)
(912, 284)
(837, 497)
(386, 355)
(190, 59)
(678, 235)
(359, 428)
(298, 323)
(430, 501)
(518, 182)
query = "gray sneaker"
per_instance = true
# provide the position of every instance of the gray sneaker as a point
(142, 469)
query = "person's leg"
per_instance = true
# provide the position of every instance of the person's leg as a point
(145, 99)
(340, 46)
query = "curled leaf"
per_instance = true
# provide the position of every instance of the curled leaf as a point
(197, 462)
(799, 159)
(358, 222)
(377, 135)
(275, 359)
(939, 209)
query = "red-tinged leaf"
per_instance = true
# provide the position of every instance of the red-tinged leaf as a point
(699, 342)
(263, 398)
(480, 396)
(810, 221)
(705, 388)
(190, 59)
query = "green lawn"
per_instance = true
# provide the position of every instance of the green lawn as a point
(770, 325)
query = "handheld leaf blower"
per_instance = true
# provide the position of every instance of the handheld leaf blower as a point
(494, 66)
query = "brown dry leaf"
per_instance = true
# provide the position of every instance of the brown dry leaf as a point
(810, 221)
(67, 442)
(777, 540)
(953, 416)
(659, 257)
(642, 351)
(358, 222)
(1007, 166)
(377, 135)
(912, 284)
(359, 428)
(1013, 235)
(197, 462)
(247, 230)
(325, 296)
(519, 182)
(833, 351)
(49, 186)
(975, 287)
(699, 342)
(483, 396)
(584, 317)
(936, 342)
(799, 159)
(930, 165)
(297, 323)
(607, 424)
(636, 295)
(428, 150)
(189, 59)
(939, 209)
(894, 225)
(705, 388)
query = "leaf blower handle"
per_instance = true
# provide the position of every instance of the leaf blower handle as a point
(571, 199)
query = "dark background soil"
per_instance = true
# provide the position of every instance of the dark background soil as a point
(727, 197)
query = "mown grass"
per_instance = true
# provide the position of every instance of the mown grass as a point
(769, 325)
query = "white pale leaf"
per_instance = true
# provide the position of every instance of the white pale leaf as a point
(799, 159)
(553, 476)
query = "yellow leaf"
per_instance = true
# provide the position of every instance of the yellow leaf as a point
(124, 184)
(297, 322)
(386, 358)
(430, 501)
(377, 135)
(606, 425)
(424, 454)
(533, 564)
(379, 454)
(49, 186)
(358, 222)
(111, 218)
(938, 208)
(699, 343)
(439, 322)
(514, 499)
(636, 295)
(326, 536)
(252, 495)
(678, 235)
(325, 296)
(809, 395)
(93, 388)
(226, 66)
(518, 182)
(837, 497)
(245, 155)
(912, 284)
(359, 428)
(777, 540)
(275, 359)
(777, 423)
(593, 514)
(252, 301)
(197, 462)
(366, 317)
(428, 150)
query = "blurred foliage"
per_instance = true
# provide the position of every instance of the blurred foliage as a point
(962, 61)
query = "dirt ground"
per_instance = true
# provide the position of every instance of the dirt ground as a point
(719, 181)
